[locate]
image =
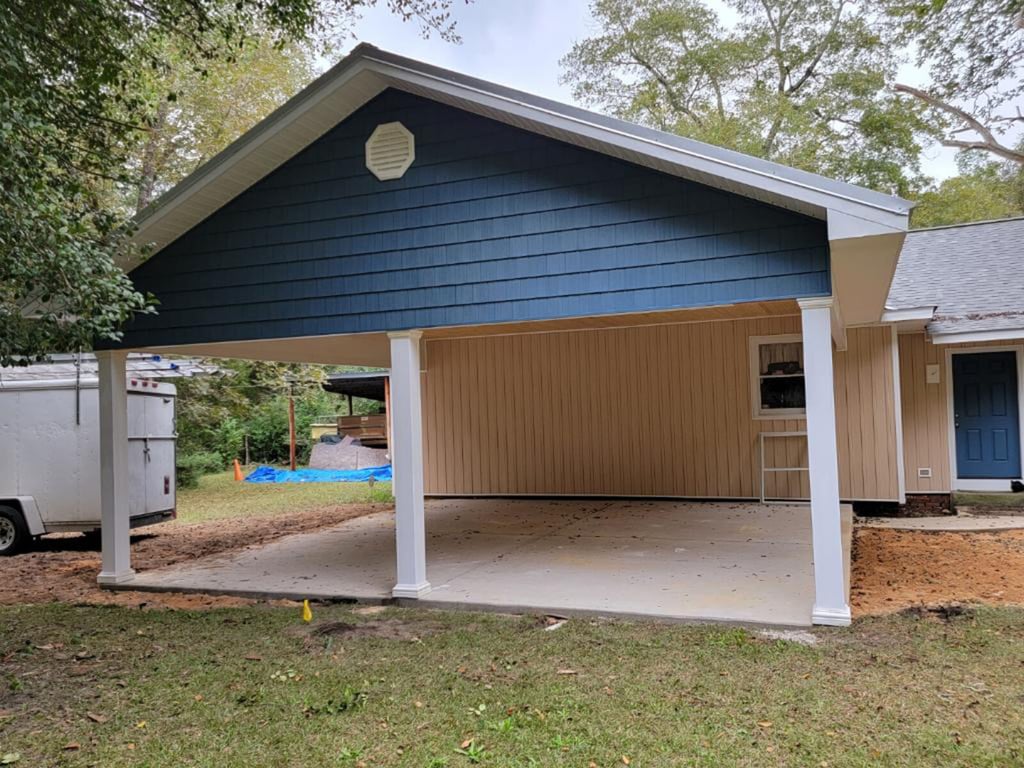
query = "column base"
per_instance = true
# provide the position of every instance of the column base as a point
(117, 577)
(831, 617)
(413, 591)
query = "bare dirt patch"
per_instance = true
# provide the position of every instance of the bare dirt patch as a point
(386, 629)
(895, 570)
(63, 568)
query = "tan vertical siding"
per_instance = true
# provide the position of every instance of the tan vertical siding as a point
(925, 422)
(648, 410)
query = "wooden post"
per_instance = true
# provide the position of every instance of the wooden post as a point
(349, 404)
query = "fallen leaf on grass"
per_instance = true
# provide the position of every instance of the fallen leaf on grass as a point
(764, 723)
(96, 718)
(10, 758)
(466, 744)
(253, 657)
(625, 760)
(567, 672)
(72, 746)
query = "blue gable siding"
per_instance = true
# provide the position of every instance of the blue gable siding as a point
(490, 224)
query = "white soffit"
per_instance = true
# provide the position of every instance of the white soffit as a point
(367, 71)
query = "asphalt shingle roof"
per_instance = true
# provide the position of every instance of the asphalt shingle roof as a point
(972, 273)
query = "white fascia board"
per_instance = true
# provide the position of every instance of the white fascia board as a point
(908, 315)
(844, 224)
(865, 218)
(312, 112)
(257, 138)
(978, 337)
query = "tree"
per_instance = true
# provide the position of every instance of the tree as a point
(973, 51)
(73, 101)
(983, 190)
(801, 82)
(209, 108)
(216, 413)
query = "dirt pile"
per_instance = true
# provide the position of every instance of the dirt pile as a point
(894, 570)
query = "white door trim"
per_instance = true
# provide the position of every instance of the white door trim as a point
(980, 484)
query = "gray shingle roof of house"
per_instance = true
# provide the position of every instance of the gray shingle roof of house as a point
(973, 274)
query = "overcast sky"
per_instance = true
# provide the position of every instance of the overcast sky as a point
(518, 43)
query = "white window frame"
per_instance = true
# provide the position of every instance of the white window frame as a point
(759, 414)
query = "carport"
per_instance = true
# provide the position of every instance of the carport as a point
(669, 560)
(570, 307)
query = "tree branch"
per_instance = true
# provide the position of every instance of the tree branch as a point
(988, 141)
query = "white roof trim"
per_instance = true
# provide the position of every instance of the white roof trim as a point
(554, 117)
(910, 314)
(978, 337)
(367, 71)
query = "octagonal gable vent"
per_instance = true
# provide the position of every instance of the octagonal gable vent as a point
(390, 151)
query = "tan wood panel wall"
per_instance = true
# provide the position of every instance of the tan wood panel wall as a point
(653, 410)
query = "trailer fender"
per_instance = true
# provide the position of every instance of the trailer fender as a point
(27, 506)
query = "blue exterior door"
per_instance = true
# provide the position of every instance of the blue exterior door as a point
(986, 414)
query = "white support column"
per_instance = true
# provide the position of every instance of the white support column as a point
(830, 604)
(407, 460)
(114, 512)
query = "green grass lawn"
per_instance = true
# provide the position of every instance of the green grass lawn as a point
(221, 496)
(254, 687)
(1009, 503)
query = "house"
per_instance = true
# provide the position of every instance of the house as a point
(585, 307)
(958, 301)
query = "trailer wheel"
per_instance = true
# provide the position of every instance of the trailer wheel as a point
(14, 534)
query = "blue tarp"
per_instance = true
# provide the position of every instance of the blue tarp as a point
(272, 475)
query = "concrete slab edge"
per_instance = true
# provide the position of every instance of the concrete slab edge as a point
(442, 605)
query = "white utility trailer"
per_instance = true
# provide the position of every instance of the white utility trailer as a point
(50, 457)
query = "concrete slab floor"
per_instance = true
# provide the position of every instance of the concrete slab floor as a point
(737, 562)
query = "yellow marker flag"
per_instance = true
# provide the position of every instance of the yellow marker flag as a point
(307, 614)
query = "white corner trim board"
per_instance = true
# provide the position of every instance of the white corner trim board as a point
(901, 469)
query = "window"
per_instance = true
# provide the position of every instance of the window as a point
(777, 376)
